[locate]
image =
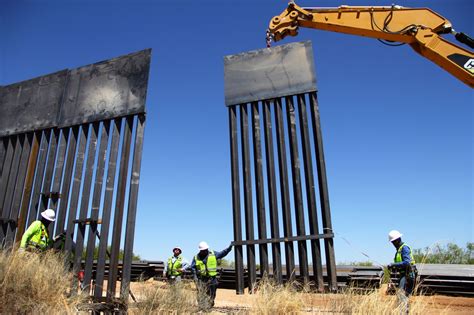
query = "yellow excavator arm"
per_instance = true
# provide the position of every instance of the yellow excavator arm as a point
(420, 28)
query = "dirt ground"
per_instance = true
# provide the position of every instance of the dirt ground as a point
(227, 301)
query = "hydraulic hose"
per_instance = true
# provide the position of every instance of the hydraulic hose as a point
(465, 39)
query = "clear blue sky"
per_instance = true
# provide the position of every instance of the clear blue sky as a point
(398, 130)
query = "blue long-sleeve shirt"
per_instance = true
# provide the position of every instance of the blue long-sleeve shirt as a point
(406, 258)
(219, 255)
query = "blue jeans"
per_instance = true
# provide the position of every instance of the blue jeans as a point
(405, 289)
(206, 292)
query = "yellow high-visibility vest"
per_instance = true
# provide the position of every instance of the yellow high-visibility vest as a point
(36, 236)
(210, 268)
(173, 267)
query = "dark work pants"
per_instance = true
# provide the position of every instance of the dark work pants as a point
(207, 288)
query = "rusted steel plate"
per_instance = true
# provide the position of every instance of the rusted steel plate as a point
(269, 73)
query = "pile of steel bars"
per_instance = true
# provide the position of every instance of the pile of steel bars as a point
(140, 270)
(456, 280)
(446, 279)
(364, 278)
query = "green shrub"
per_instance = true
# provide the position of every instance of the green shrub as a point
(447, 254)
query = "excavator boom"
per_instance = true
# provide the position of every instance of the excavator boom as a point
(421, 28)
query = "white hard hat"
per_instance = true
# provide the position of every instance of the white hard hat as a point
(49, 215)
(393, 235)
(203, 246)
(177, 247)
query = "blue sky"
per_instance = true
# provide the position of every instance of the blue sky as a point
(398, 130)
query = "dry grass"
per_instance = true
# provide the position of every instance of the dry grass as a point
(33, 283)
(270, 298)
(170, 299)
(371, 302)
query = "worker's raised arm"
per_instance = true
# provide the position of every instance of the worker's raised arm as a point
(419, 27)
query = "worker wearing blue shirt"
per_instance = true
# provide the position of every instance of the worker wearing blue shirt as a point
(204, 268)
(175, 266)
(404, 264)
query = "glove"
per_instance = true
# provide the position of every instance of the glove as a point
(59, 237)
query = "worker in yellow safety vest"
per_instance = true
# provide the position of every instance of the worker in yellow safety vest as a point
(175, 266)
(404, 264)
(204, 267)
(36, 237)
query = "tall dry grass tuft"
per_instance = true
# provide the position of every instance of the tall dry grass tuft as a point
(271, 298)
(179, 298)
(375, 302)
(293, 299)
(33, 283)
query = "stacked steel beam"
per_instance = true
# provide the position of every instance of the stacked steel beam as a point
(446, 279)
(140, 270)
(455, 280)
(363, 278)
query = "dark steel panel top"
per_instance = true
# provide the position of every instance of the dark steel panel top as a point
(32, 104)
(112, 88)
(269, 73)
(108, 89)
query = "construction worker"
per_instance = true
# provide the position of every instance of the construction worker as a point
(176, 265)
(204, 267)
(36, 237)
(404, 264)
